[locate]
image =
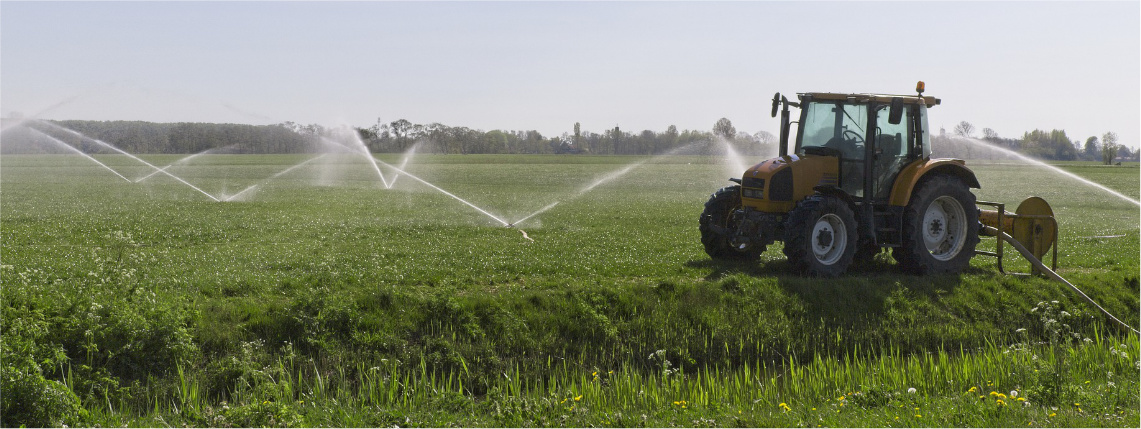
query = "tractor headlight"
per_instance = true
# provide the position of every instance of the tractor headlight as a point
(753, 193)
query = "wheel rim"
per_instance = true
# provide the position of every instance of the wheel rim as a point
(829, 239)
(944, 224)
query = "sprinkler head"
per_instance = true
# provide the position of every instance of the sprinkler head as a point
(510, 225)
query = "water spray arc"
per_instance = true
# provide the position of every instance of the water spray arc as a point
(112, 147)
(604, 179)
(425, 182)
(279, 174)
(362, 151)
(1038, 163)
(465, 202)
(180, 161)
(404, 163)
(73, 149)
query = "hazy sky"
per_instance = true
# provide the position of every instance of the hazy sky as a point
(1010, 66)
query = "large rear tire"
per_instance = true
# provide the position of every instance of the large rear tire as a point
(720, 211)
(940, 228)
(820, 236)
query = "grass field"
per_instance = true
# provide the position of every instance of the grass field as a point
(320, 298)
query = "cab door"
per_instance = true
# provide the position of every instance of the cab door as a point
(890, 153)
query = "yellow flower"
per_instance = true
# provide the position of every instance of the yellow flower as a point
(1000, 403)
(785, 406)
(1053, 414)
(973, 390)
(1021, 399)
(919, 415)
(578, 398)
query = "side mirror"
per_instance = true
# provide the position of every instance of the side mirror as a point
(895, 115)
(776, 103)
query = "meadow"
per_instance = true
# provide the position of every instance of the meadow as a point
(321, 298)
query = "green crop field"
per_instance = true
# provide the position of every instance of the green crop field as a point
(320, 297)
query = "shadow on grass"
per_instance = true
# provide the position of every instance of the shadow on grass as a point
(864, 299)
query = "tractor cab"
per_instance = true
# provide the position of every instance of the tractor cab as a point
(856, 128)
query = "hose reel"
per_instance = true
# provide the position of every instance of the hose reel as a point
(1032, 224)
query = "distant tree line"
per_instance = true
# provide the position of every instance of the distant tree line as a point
(400, 135)
(1040, 144)
(150, 137)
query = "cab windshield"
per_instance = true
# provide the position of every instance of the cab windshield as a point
(836, 126)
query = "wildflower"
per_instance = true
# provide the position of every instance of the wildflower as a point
(918, 416)
(785, 406)
(1013, 393)
(1053, 414)
(578, 398)
(911, 390)
(1000, 403)
(973, 389)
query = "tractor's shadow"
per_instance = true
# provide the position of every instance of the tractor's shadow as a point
(858, 296)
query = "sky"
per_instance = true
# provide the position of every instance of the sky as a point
(1009, 66)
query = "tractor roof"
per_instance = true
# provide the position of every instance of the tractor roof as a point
(865, 98)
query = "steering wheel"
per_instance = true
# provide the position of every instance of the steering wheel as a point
(855, 137)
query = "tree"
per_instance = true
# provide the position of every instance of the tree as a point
(1108, 147)
(724, 129)
(1090, 151)
(964, 129)
(989, 135)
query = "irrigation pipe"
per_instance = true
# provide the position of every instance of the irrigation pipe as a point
(1042, 267)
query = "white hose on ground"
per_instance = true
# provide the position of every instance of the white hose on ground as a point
(1042, 267)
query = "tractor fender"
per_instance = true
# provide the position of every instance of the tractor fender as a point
(911, 175)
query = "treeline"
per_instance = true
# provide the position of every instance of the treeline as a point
(1048, 145)
(400, 135)
(394, 137)
(150, 137)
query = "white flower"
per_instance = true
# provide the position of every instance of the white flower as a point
(911, 390)
(1013, 393)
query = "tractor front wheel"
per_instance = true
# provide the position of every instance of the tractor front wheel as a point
(940, 228)
(820, 236)
(718, 222)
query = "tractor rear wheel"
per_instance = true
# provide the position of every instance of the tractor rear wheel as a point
(940, 227)
(820, 236)
(720, 211)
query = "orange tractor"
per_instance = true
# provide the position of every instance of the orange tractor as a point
(858, 178)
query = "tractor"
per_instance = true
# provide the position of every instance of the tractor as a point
(859, 179)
